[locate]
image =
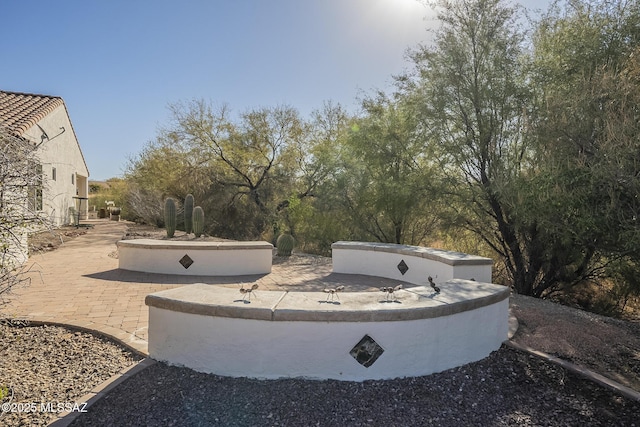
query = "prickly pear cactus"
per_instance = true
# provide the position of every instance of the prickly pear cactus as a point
(198, 221)
(170, 216)
(285, 244)
(188, 213)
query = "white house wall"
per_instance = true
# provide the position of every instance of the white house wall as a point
(63, 153)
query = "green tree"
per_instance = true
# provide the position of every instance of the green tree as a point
(239, 170)
(166, 167)
(588, 88)
(314, 213)
(541, 155)
(470, 91)
(389, 185)
(315, 156)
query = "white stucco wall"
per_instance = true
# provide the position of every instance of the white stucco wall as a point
(274, 349)
(362, 259)
(209, 258)
(63, 153)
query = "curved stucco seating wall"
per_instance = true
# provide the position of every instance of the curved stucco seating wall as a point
(299, 334)
(383, 259)
(195, 258)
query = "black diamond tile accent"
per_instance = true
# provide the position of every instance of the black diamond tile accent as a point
(403, 267)
(186, 261)
(367, 351)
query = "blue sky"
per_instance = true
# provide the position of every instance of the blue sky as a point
(118, 64)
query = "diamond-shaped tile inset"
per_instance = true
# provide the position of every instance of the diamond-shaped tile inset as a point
(186, 261)
(367, 351)
(403, 267)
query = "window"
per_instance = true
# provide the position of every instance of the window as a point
(53, 174)
(73, 179)
(34, 190)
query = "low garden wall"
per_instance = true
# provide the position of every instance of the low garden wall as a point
(354, 336)
(195, 257)
(412, 264)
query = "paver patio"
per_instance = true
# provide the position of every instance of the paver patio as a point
(79, 284)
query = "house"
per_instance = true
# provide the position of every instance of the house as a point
(44, 121)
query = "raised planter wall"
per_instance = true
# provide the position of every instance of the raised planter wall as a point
(384, 259)
(301, 334)
(195, 258)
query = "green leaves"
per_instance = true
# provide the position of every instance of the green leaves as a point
(530, 143)
(586, 62)
(388, 182)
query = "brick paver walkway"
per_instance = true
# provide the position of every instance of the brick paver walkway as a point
(80, 284)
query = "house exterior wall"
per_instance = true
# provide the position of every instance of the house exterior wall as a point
(61, 153)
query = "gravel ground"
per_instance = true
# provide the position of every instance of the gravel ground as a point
(507, 388)
(51, 364)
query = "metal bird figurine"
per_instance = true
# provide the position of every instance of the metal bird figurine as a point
(248, 291)
(333, 292)
(390, 291)
(433, 285)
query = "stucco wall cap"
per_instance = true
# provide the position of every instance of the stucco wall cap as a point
(420, 302)
(191, 245)
(211, 300)
(446, 257)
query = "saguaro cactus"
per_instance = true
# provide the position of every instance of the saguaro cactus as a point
(285, 244)
(188, 213)
(198, 221)
(170, 216)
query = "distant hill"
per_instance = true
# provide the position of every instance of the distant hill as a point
(95, 186)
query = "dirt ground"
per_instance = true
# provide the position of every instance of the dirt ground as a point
(50, 240)
(608, 346)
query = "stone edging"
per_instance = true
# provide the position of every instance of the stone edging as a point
(118, 336)
(101, 390)
(579, 370)
(585, 373)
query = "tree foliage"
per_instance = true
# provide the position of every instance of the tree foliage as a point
(471, 92)
(389, 186)
(517, 134)
(239, 170)
(21, 186)
(524, 146)
(586, 68)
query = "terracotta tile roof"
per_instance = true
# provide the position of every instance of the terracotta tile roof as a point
(20, 111)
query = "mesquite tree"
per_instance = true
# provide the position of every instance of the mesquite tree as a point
(471, 95)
